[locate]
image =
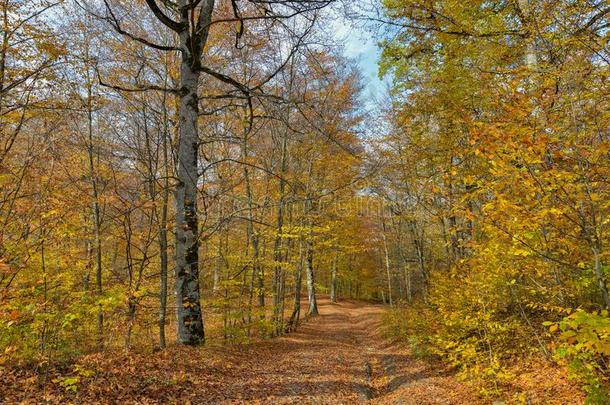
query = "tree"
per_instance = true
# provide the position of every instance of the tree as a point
(492, 171)
(191, 21)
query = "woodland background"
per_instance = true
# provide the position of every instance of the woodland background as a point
(474, 200)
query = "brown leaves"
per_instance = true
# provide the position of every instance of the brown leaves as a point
(340, 357)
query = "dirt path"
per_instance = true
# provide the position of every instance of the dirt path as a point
(339, 357)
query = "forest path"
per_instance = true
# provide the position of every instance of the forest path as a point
(338, 357)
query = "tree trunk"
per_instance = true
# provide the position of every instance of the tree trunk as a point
(333, 281)
(419, 250)
(131, 317)
(531, 57)
(311, 286)
(278, 276)
(600, 277)
(163, 273)
(387, 262)
(95, 207)
(257, 273)
(298, 281)
(218, 267)
(188, 305)
(408, 284)
(162, 223)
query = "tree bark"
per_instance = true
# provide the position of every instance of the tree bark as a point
(163, 244)
(311, 286)
(531, 57)
(278, 276)
(600, 277)
(95, 205)
(418, 243)
(333, 281)
(298, 281)
(188, 305)
(387, 262)
(257, 272)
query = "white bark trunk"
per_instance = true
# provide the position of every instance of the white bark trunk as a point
(188, 305)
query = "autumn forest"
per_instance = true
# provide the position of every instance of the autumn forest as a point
(212, 202)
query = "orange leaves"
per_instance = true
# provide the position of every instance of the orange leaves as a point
(4, 268)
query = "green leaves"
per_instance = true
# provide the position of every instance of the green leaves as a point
(584, 343)
(70, 383)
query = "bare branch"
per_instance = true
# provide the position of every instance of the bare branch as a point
(138, 89)
(114, 22)
(168, 22)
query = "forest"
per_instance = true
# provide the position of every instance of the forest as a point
(210, 201)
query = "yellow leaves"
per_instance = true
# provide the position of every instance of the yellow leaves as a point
(521, 252)
(7, 353)
(539, 169)
(186, 304)
(603, 148)
(553, 210)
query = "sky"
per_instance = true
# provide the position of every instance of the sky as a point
(361, 46)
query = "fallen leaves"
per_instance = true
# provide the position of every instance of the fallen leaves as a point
(338, 357)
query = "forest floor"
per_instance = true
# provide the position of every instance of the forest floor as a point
(339, 357)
